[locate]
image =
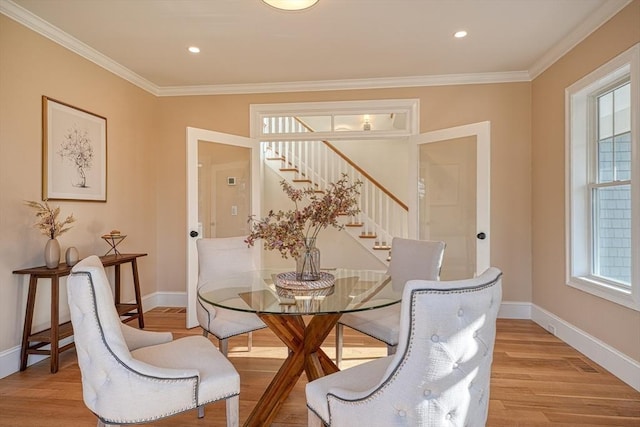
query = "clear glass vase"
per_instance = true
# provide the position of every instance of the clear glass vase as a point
(308, 262)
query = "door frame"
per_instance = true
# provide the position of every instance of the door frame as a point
(194, 136)
(482, 132)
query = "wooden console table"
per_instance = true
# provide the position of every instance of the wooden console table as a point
(58, 331)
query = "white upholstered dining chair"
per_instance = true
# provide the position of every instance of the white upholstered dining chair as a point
(219, 257)
(410, 259)
(440, 375)
(135, 376)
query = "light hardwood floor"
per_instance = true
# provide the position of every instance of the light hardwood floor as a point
(537, 380)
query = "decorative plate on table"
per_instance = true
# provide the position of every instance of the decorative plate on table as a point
(288, 281)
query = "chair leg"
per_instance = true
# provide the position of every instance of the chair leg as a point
(233, 417)
(201, 411)
(313, 420)
(391, 349)
(339, 341)
(205, 333)
(250, 340)
(224, 346)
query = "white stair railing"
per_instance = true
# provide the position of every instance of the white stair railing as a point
(319, 163)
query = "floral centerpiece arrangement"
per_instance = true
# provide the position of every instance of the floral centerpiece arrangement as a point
(293, 232)
(48, 222)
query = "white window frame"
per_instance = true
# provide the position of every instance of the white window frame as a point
(578, 117)
(410, 107)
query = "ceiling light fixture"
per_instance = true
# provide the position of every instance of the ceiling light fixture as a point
(194, 49)
(460, 34)
(291, 4)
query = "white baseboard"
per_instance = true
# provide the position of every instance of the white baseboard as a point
(515, 310)
(164, 299)
(619, 364)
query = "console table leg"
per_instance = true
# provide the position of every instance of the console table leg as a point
(116, 285)
(28, 320)
(55, 317)
(136, 287)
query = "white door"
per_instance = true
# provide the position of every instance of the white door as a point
(449, 192)
(231, 164)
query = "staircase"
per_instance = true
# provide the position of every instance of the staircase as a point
(316, 164)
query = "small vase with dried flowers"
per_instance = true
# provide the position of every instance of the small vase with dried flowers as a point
(294, 232)
(48, 224)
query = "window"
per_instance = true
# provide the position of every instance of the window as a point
(610, 184)
(391, 118)
(603, 181)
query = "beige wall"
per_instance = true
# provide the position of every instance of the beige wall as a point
(613, 324)
(32, 66)
(146, 170)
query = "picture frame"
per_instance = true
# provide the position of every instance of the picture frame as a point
(231, 180)
(74, 153)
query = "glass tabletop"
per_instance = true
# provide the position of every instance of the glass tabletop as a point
(261, 291)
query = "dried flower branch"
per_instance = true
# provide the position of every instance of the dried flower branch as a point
(286, 231)
(48, 222)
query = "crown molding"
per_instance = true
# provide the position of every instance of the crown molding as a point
(581, 32)
(327, 85)
(42, 27)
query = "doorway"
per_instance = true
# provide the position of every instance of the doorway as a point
(223, 189)
(450, 181)
(224, 183)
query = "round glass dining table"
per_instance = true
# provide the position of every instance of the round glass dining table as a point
(301, 319)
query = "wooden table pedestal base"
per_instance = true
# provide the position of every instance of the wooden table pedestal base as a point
(305, 354)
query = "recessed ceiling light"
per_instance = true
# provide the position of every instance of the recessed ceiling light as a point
(460, 34)
(194, 49)
(291, 4)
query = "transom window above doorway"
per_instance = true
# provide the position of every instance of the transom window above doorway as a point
(337, 120)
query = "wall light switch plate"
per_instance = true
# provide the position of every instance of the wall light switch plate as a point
(234, 210)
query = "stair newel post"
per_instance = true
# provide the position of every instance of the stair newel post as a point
(387, 215)
(380, 214)
(366, 201)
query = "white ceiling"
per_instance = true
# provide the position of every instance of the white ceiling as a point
(248, 46)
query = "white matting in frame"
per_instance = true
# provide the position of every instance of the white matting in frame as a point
(74, 153)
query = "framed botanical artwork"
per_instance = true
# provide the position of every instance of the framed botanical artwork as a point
(74, 153)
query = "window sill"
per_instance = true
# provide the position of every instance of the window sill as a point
(617, 295)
